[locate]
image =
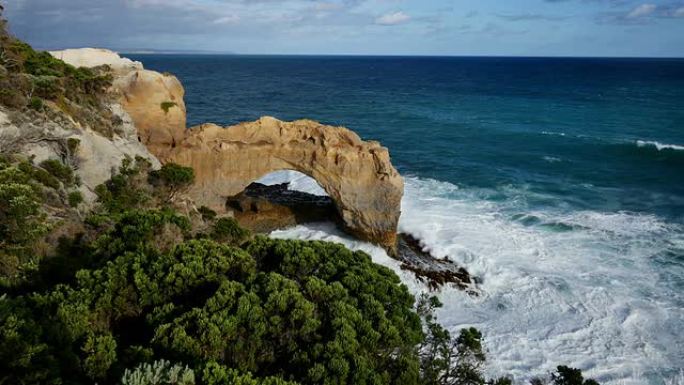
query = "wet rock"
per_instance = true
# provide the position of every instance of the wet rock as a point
(262, 209)
(434, 272)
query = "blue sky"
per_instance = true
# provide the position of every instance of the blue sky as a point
(385, 27)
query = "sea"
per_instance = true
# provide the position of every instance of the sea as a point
(558, 181)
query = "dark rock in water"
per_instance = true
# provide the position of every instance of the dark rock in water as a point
(434, 272)
(262, 209)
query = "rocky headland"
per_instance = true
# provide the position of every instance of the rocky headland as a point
(147, 119)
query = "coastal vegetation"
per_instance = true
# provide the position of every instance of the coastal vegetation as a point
(137, 288)
(166, 106)
(146, 295)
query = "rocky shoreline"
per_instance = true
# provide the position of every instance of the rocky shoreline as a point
(263, 208)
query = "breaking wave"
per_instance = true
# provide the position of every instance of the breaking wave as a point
(600, 291)
(659, 146)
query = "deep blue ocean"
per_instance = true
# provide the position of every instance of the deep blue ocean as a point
(559, 181)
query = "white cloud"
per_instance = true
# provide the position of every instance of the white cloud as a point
(230, 19)
(678, 12)
(393, 18)
(642, 11)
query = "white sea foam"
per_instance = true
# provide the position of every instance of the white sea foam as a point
(297, 181)
(574, 288)
(658, 145)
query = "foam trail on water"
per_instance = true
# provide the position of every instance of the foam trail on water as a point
(658, 145)
(598, 291)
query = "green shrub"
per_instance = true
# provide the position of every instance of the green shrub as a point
(73, 144)
(47, 87)
(565, 375)
(127, 189)
(59, 170)
(45, 178)
(159, 372)
(75, 198)
(447, 360)
(22, 222)
(215, 374)
(229, 231)
(12, 98)
(171, 179)
(166, 106)
(207, 213)
(36, 103)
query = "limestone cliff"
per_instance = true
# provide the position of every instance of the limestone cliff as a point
(357, 174)
(153, 100)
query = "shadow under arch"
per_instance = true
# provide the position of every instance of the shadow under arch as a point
(280, 200)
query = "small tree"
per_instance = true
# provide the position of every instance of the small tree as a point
(172, 179)
(570, 376)
(160, 372)
(445, 360)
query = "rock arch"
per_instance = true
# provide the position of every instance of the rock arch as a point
(356, 174)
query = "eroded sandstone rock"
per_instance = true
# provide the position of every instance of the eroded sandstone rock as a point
(153, 100)
(356, 174)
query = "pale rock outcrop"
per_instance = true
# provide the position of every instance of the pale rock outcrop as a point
(94, 57)
(153, 100)
(356, 174)
(96, 158)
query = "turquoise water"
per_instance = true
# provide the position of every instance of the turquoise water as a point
(559, 181)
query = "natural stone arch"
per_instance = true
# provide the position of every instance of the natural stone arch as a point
(356, 174)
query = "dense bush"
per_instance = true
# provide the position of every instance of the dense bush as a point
(144, 290)
(171, 179)
(59, 170)
(127, 189)
(227, 230)
(22, 220)
(159, 373)
(75, 198)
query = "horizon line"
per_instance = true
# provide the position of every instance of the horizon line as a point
(218, 53)
(170, 52)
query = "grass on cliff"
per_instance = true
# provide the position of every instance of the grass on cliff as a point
(30, 78)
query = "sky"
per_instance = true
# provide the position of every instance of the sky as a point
(633, 28)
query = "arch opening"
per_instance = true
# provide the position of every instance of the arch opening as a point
(282, 199)
(357, 175)
(296, 181)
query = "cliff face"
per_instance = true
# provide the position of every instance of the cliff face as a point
(94, 158)
(357, 174)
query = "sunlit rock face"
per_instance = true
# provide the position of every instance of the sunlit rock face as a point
(153, 100)
(356, 174)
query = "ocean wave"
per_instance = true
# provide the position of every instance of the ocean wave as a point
(297, 180)
(552, 159)
(659, 146)
(578, 288)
